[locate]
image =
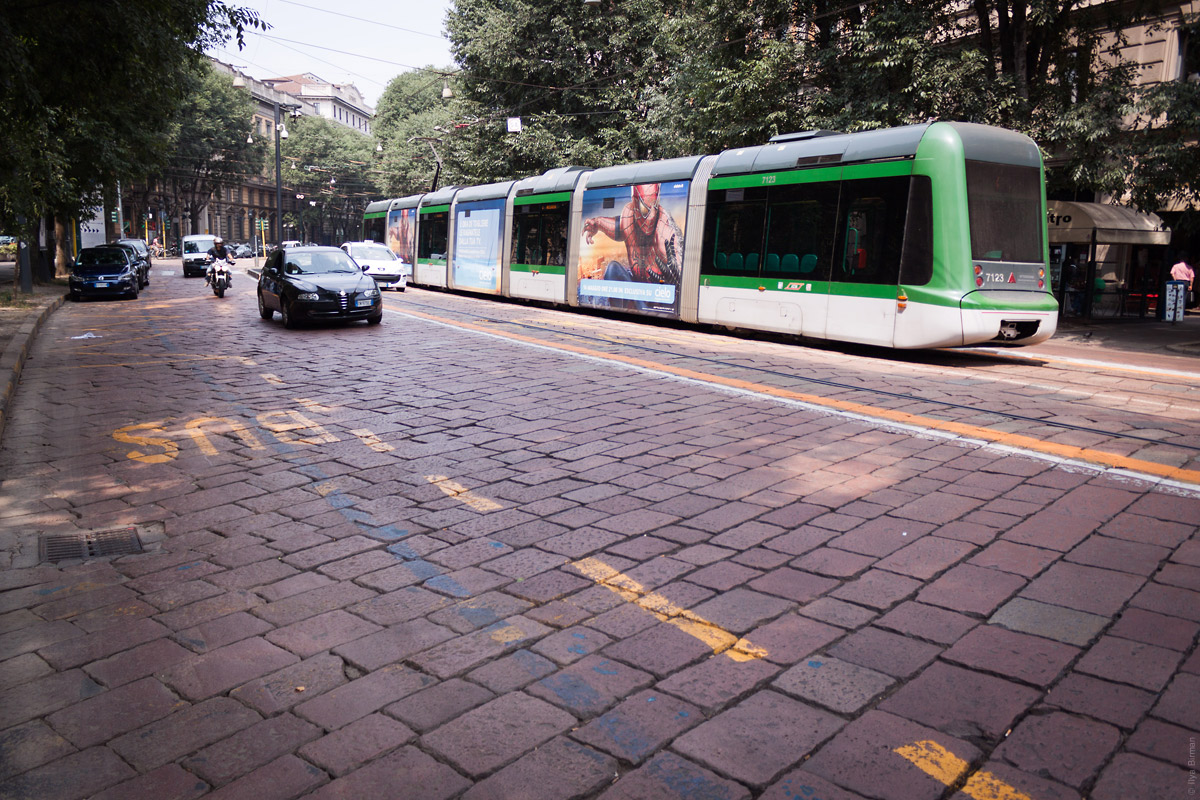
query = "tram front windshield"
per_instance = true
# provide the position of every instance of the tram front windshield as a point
(1005, 207)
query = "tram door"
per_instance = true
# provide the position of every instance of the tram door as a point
(866, 265)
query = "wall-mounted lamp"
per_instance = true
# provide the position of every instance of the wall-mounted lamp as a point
(446, 92)
(238, 81)
(250, 138)
(282, 131)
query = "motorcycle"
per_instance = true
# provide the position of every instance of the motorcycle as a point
(220, 277)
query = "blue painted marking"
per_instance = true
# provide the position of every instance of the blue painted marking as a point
(579, 635)
(445, 583)
(577, 649)
(600, 668)
(50, 591)
(815, 664)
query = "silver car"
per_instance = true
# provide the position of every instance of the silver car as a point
(380, 263)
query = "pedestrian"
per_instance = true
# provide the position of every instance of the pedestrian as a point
(1182, 271)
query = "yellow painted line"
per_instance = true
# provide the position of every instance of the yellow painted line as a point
(372, 441)
(313, 405)
(460, 492)
(719, 639)
(1016, 440)
(126, 435)
(947, 768)
(272, 379)
(196, 428)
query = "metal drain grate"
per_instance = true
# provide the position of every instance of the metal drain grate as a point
(88, 544)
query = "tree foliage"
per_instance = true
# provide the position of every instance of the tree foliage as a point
(603, 83)
(90, 92)
(334, 168)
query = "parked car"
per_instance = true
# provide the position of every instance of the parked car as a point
(142, 248)
(380, 263)
(292, 243)
(242, 251)
(142, 261)
(311, 284)
(195, 253)
(105, 272)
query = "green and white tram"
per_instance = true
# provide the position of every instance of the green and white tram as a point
(923, 236)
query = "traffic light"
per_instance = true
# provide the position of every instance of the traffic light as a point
(114, 215)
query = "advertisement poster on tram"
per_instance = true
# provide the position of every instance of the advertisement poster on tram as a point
(478, 230)
(631, 253)
(401, 234)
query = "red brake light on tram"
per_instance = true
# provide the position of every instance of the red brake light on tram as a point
(978, 270)
(979, 281)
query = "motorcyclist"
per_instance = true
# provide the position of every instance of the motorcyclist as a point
(221, 252)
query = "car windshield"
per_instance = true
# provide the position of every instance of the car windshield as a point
(318, 263)
(371, 252)
(100, 258)
(196, 246)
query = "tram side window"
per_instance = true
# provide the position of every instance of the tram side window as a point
(800, 234)
(916, 261)
(871, 230)
(733, 232)
(540, 235)
(375, 229)
(434, 236)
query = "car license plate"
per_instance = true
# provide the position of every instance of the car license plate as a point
(362, 303)
(100, 285)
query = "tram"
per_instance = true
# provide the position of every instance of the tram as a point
(923, 236)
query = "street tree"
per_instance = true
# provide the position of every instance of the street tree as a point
(412, 115)
(333, 167)
(90, 92)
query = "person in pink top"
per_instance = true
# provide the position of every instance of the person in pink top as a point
(1182, 271)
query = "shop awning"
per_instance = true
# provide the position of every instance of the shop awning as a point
(1073, 223)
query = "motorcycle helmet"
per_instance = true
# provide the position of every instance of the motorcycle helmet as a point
(218, 240)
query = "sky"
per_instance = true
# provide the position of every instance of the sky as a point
(364, 42)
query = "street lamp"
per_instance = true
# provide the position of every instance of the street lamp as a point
(430, 140)
(280, 133)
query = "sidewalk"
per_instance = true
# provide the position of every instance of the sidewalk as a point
(18, 327)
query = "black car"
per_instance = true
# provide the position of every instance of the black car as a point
(105, 272)
(311, 284)
(142, 261)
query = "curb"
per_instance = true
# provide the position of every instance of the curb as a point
(15, 354)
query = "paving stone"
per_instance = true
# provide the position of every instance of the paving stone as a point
(1121, 705)
(559, 769)
(292, 685)
(740, 610)
(669, 777)
(1148, 530)
(790, 638)
(1060, 746)
(219, 671)
(478, 612)
(212, 635)
(1049, 621)
(1052, 529)
(392, 644)
(186, 731)
(44, 696)
(1169, 600)
(512, 672)
(794, 585)
(1006, 780)
(1124, 661)
(833, 684)
(1181, 702)
(961, 702)
(1029, 659)
(1159, 740)
(1019, 559)
(559, 614)
(401, 605)
(489, 737)
(590, 686)
(1096, 591)
(252, 575)
(660, 650)
(317, 601)
(1132, 775)
(347, 748)
(362, 696)
(322, 632)
(877, 589)
(623, 621)
(723, 575)
(440, 702)
(79, 775)
(639, 726)
(883, 536)
(80, 650)
(570, 645)
(464, 653)
(927, 622)
(209, 609)
(1118, 554)
(251, 748)
(285, 777)
(756, 740)
(716, 681)
(22, 669)
(30, 745)
(803, 784)
(863, 758)
(833, 562)
(885, 652)
(105, 716)
(838, 612)
(1156, 629)
(971, 590)
(424, 779)
(169, 782)
(137, 662)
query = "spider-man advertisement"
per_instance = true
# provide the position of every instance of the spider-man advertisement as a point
(631, 255)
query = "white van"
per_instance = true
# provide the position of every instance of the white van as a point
(195, 253)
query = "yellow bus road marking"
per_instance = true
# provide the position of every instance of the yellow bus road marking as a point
(947, 768)
(314, 406)
(715, 637)
(195, 428)
(372, 441)
(958, 429)
(460, 492)
(126, 435)
(272, 379)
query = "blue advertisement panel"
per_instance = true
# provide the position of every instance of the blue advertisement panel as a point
(401, 234)
(631, 255)
(478, 230)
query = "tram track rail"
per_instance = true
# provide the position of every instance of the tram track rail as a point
(843, 386)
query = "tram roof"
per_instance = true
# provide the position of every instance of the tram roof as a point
(412, 201)
(559, 179)
(823, 149)
(672, 169)
(490, 191)
(378, 205)
(440, 197)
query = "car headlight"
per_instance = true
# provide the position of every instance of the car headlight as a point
(309, 296)
(371, 293)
